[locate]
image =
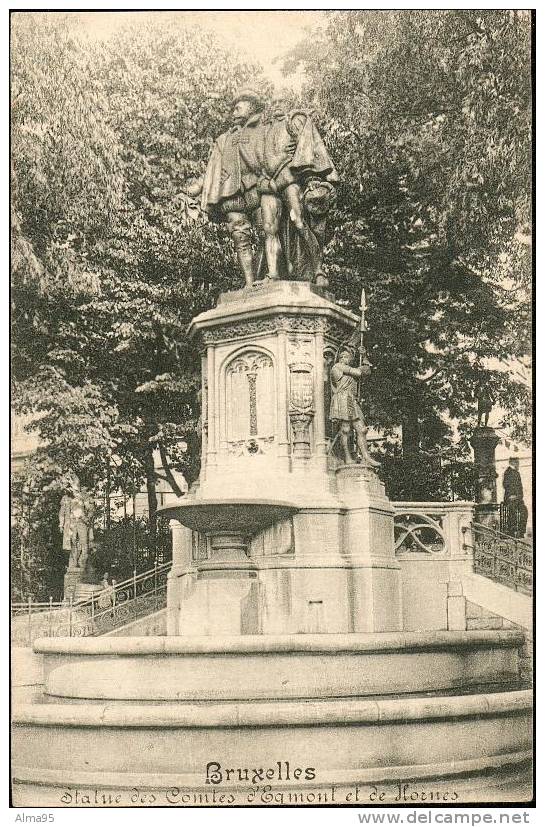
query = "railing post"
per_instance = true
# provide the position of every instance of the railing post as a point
(155, 583)
(134, 590)
(113, 600)
(70, 608)
(517, 559)
(50, 614)
(30, 620)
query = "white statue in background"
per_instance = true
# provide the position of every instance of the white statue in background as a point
(76, 524)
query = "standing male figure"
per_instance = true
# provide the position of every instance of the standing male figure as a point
(513, 499)
(485, 402)
(76, 524)
(233, 189)
(345, 409)
(295, 162)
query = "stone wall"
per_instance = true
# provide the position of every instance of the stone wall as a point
(153, 624)
(478, 618)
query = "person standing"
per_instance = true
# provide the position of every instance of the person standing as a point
(229, 189)
(513, 500)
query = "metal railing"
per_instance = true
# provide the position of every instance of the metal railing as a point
(513, 518)
(107, 609)
(502, 558)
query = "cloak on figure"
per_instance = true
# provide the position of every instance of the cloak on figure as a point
(222, 179)
(260, 158)
(311, 167)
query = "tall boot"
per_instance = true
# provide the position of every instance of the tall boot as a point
(241, 233)
(366, 458)
(246, 264)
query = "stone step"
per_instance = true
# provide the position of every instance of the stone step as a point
(440, 742)
(499, 779)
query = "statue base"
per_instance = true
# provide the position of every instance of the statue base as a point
(327, 568)
(314, 539)
(72, 579)
(484, 441)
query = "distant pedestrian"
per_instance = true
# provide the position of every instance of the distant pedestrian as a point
(516, 513)
(105, 596)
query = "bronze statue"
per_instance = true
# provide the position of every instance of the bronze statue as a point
(345, 411)
(300, 175)
(485, 402)
(272, 174)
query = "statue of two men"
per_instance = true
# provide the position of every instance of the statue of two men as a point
(273, 174)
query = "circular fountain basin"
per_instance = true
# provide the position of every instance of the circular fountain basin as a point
(253, 667)
(150, 714)
(467, 748)
(248, 516)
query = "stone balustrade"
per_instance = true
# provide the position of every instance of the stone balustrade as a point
(432, 528)
(430, 546)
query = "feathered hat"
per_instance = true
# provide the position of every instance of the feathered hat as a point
(249, 94)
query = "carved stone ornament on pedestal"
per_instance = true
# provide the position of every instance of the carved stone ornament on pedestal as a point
(250, 410)
(301, 410)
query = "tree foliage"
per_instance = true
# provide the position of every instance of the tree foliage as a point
(111, 259)
(428, 115)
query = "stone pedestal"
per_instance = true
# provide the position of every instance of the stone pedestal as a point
(484, 442)
(72, 579)
(487, 514)
(283, 538)
(263, 389)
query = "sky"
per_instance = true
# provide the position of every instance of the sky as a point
(262, 36)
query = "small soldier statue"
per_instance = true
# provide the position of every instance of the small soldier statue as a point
(485, 402)
(345, 411)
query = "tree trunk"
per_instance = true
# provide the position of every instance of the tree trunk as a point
(168, 473)
(411, 436)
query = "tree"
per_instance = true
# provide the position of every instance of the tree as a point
(428, 116)
(66, 188)
(111, 260)
(101, 345)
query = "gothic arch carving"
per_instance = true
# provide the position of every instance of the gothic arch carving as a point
(247, 384)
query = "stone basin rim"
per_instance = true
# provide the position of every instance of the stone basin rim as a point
(275, 644)
(236, 515)
(301, 712)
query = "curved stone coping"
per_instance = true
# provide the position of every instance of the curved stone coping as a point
(266, 644)
(444, 771)
(432, 505)
(275, 713)
(245, 515)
